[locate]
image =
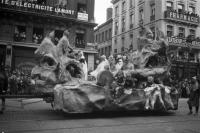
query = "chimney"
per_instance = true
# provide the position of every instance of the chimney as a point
(108, 13)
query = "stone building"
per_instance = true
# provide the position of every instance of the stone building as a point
(177, 19)
(25, 23)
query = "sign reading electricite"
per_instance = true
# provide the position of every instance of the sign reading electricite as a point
(182, 42)
(19, 3)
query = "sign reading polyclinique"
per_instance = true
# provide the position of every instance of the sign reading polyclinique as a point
(37, 6)
(182, 42)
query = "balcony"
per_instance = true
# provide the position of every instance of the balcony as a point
(152, 18)
(181, 17)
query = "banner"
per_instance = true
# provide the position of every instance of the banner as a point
(41, 7)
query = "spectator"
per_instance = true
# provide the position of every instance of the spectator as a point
(194, 96)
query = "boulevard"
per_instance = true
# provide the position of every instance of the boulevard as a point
(38, 117)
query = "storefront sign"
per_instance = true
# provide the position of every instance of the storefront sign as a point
(182, 42)
(37, 6)
(83, 16)
(182, 16)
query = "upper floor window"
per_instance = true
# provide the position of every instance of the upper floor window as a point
(123, 24)
(169, 5)
(102, 36)
(80, 38)
(170, 30)
(181, 32)
(192, 32)
(141, 14)
(37, 35)
(153, 10)
(96, 38)
(116, 11)
(20, 33)
(123, 5)
(192, 9)
(131, 3)
(116, 28)
(110, 33)
(153, 31)
(123, 41)
(40, 2)
(81, 8)
(131, 20)
(180, 7)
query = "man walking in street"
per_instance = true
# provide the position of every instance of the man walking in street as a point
(194, 96)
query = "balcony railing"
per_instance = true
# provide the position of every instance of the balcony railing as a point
(182, 16)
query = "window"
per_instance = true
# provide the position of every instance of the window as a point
(81, 8)
(116, 11)
(122, 49)
(123, 6)
(152, 17)
(123, 41)
(180, 7)
(40, 2)
(110, 33)
(131, 21)
(116, 28)
(169, 5)
(115, 51)
(37, 35)
(96, 38)
(181, 32)
(153, 10)
(153, 31)
(192, 9)
(115, 41)
(141, 15)
(131, 3)
(123, 24)
(80, 38)
(20, 33)
(169, 30)
(192, 33)
(103, 37)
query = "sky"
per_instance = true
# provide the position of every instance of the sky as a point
(100, 10)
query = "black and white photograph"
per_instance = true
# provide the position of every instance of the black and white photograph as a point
(99, 66)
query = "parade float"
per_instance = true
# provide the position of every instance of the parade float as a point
(138, 80)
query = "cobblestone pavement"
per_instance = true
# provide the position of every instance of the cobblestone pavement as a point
(38, 117)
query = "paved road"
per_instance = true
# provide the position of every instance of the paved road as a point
(40, 118)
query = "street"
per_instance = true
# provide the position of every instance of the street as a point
(38, 117)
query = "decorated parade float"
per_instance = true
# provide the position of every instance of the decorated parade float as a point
(137, 80)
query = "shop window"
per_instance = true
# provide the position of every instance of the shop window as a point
(181, 33)
(20, 34)
(169, 5)
(58, 35)
(37, 35)
(170, 30)
(81, 8)
(80, 39)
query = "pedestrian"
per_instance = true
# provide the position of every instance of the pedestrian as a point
(194, 96)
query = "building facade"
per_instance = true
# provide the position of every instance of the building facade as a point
(25, 23)
(177, 19)
(103, 35)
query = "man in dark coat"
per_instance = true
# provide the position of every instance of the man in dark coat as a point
(194, 96)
